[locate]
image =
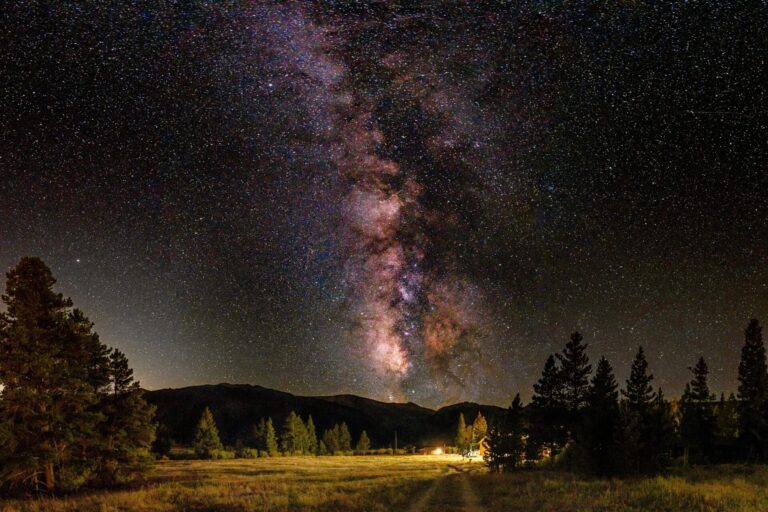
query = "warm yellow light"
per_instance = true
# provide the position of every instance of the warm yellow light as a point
(437, 451)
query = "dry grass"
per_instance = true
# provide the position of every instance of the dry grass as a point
(719, 488)
(290, 483)
(379, 484)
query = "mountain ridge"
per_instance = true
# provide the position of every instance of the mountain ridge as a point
(237, 407)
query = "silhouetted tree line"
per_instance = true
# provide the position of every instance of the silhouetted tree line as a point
(297, 437)
(588, 424)
(70, 412)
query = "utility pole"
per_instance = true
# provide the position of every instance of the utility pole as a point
(395, 452)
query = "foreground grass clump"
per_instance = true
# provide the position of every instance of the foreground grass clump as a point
(718, 488)
(274, 484)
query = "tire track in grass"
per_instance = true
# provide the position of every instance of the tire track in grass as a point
(422, 502)
(471, 501)
(449, 493)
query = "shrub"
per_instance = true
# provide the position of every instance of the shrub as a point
(247, 453)
(222, 454)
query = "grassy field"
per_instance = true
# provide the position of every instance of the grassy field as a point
(720, 488)
(274, 484)
(411, 484)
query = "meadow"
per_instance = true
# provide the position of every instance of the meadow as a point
(410, 484)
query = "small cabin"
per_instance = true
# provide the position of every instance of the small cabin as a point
(482, 446)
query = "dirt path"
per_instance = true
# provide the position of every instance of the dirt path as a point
(471, 501)
(421, 503)
(450, 493)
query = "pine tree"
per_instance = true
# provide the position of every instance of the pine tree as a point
(602, 422)
(363, 444)
(128, 431)
(574, 374)
(639, 392)
(293, 439)
(661, 438)
(632, 437)
(753, 394)
(548, 412)
(504, 442)
(331, 439)
(270, 439)
(70, 412)
(260, 435)
(89, 460)
(32, 372)
(699, 386)
(163, 441)
(461, 436)
(311, 436)
(697, 425)
(638, 422)
(206, 441)
(345, 439)
(479, 428)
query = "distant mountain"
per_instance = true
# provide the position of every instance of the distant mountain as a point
(237, 407)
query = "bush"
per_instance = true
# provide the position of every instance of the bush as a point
(182, 453)
(247, 453)
(73, 476)
(222, 454)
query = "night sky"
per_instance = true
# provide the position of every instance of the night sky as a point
(403, 200)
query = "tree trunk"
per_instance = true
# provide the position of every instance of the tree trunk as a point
(49, 480)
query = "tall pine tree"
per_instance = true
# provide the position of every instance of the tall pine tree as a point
(574, 373)
(311, 436)
(127, 431)
(364, 443)
(270, 439)
(259, 435)
(462, 444)
(661, 427)
(69, 412)
(697, 424)
(639, 393)
(44, 404)
(647, 421)
(637, 416)
(548, 413)
(602, 422)
(331, 439)
(345, 438)
(294, 437)
(753, 394)
(505, 442)
(206, 442)
(479, 429)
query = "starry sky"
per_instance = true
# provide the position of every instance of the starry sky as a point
(403, 200)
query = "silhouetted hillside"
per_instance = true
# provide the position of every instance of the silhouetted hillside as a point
(237, 407)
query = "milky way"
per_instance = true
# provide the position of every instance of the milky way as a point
(398, 200)
(413, 328)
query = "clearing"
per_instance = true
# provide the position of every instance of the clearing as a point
(411, 484)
